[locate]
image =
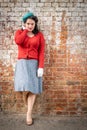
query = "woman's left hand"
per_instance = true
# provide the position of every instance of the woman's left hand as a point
(40, 72)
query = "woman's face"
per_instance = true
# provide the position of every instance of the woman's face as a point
(30, 25)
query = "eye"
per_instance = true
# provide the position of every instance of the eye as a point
(27, 23)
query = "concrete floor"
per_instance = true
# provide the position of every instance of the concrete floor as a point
(17, 122)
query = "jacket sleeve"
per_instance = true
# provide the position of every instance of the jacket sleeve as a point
(20, 36)
(41, 51)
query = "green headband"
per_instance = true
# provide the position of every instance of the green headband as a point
(27, 15)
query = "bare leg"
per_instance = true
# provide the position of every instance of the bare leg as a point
(30, 100)
(25, 97)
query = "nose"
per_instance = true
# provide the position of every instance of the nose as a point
(30, 25)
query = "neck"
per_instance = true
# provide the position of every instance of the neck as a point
(30, 34)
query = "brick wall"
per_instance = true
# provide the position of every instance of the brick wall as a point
(64, 24)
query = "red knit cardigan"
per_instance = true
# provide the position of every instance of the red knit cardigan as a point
(30, 47)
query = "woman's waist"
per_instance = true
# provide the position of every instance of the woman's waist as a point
(27, 56)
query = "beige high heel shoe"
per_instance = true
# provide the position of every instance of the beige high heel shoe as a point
(29, 120)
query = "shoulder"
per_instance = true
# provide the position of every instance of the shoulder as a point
(40, 34)
(19, 31)
(41, 37)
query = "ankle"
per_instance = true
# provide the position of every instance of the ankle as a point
(29, 114)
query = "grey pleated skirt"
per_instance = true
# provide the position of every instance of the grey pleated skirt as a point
(25, 77)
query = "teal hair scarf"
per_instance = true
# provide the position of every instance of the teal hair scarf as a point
(27, 15)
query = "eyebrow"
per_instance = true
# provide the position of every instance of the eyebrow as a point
(30, 23)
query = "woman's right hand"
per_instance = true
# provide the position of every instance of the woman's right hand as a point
(23, 27)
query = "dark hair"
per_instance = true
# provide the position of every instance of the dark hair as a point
(36, 30)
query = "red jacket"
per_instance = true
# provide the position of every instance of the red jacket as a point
(30, 47)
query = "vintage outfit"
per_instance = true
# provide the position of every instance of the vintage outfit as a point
(30, 58)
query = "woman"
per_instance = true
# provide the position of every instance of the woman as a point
(29, 67)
